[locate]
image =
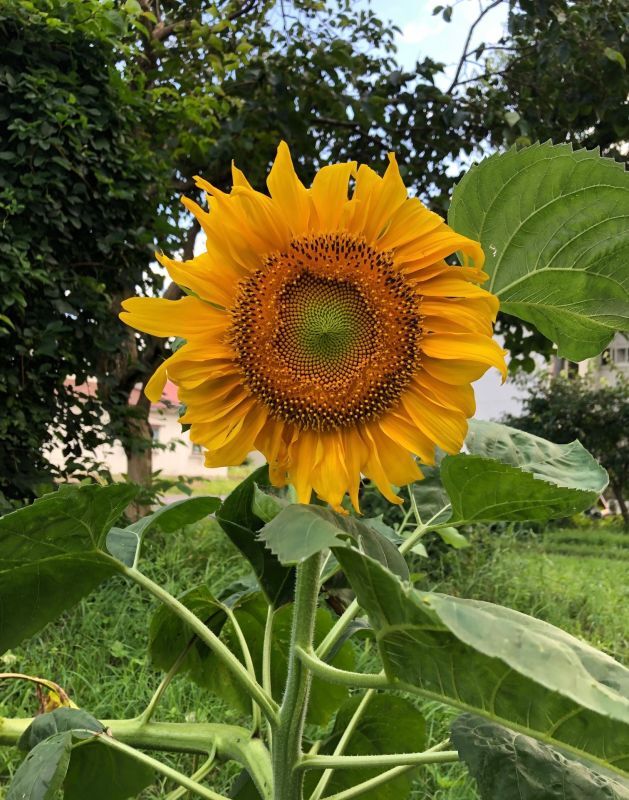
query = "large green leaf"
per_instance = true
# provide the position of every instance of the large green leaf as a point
(512, 475)
(52, 554)
(553, 225)
(66, 750)
(507, 666)
(388, 725)
(300, 531)
(41, 774)
(125, 543)
(568, 465)
(506, 764)
(239, 521)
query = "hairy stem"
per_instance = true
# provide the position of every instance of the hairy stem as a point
(287, 737)
(384, 760)
(250, 686)
(246, 654)
(342, 677)
(266, 662)
(339, 628)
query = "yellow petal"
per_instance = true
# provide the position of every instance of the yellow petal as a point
(288, 192)
(465, 347)
(210, 281)
(410, 221)
(472, 315)
(238, 177)
(389, 196)
(445, 427)
(356, 456)
(368, 185)
(400, 427)
(459, 398)
(304, 455)
(185, 317)
(329, 194)
(436, 245)
(374, 468)
(238, 446)
(398, 464)
(331, 480)
(155, 387)
(455, 373)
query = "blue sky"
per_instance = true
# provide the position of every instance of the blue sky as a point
(426, 35)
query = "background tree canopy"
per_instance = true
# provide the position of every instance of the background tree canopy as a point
(110, 109)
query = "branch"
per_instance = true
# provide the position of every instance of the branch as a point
(467, 43)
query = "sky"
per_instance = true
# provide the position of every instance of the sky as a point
(424, 34)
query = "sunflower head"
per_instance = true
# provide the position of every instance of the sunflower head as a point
(325, 330)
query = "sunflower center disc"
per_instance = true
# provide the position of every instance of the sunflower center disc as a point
(327, 333)
(325, 327)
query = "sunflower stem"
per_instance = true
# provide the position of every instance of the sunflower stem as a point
(287, 737)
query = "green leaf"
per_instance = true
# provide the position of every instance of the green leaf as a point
(52, 555)
(504, 665)
(388, 725)
(508, 764)
(266, 506)
(614, 55)
(567, 465)
(239, 521)
(58, 721)
(125, 543)
(99, 772)
(60, 755)
(553, 225)
(512, 475)
(41, 774)
(300, 531)
(452, 537)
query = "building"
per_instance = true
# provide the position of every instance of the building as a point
(173, 455)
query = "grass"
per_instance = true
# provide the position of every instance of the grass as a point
(213, 486)
(97, 652)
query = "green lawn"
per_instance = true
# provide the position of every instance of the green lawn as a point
(97, 651)
(213, 486)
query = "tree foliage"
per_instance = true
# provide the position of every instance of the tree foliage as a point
(76, 230)
(113, 108)
(590, 410)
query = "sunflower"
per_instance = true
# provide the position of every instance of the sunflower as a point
(326, 331)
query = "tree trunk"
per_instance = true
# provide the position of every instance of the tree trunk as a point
(618, 494)
(139, 451)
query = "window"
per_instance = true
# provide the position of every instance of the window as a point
(620, 355)
(197, 450)
(155, 429)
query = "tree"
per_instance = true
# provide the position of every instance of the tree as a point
(590, 410)
(188, 87)
(560, 73)
(77, 227)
